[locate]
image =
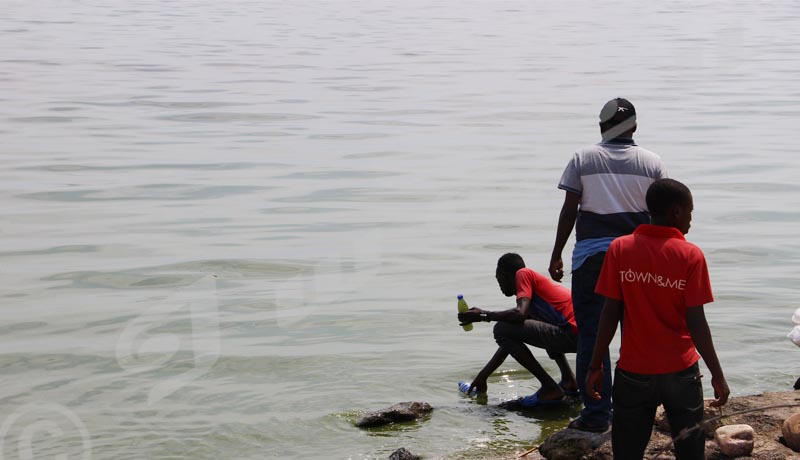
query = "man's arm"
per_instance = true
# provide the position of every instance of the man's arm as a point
(701, 335)
(514, 315)
(609, 318)
(480, 380)
(566, 222)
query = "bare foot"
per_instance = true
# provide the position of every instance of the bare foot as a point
(551, 394)
(570, 387)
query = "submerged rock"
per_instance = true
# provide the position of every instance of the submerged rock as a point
(791, 432)
(572, 444)
(735, 440)
(400, 412)
(403, 454)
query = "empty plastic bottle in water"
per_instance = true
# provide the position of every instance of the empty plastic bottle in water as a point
(464, 388)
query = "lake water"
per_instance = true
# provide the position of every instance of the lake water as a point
(230, 228)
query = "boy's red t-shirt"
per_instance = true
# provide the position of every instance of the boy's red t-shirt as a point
(658, 275)
(550, 302)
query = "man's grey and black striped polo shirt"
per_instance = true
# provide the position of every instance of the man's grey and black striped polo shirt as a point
(612, 178)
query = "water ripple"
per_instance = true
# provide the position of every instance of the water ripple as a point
(225, 117)
(183, 274)
(154, 192)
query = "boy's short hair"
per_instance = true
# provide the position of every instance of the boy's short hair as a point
(510, 262)
(665, 193)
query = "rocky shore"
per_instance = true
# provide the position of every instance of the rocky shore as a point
(765, 413)
(764, 427)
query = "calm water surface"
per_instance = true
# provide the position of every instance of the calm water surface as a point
(229, 228)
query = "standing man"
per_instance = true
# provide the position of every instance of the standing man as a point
(605, 187)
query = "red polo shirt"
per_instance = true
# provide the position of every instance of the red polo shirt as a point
(550, 302)
(658, 275)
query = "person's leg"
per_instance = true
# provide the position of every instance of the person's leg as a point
(635, 402)
(565, 342)
(567, 382)
(588, 306)
(512, 338)
(683, 403)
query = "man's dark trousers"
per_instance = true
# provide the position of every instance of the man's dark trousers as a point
(588, 306)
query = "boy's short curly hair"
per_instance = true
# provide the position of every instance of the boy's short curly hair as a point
(665, 193)
(510, 263)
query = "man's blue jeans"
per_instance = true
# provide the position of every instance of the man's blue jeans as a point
(588, 306)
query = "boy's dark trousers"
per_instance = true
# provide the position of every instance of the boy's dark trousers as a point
(635, 399)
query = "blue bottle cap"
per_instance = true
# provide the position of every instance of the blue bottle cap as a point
(460, 297)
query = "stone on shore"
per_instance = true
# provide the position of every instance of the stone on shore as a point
(400, 412)
(709, 426)
(403, 454)
(735, 440)
(791, 432)
(572, 444)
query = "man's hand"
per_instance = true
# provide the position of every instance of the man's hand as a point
(556, 268)
(478, 384)
(594, 383)
(721, 391)
(473, 315)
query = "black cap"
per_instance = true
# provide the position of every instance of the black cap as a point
(617, 117)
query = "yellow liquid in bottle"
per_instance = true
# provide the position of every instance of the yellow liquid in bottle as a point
(463, 307)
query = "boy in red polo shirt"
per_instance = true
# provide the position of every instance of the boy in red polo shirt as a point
(543, 318)
(657, 283)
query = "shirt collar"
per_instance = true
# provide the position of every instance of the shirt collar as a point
(620, 140)
(658, 231)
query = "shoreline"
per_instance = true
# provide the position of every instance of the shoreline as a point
(764, 412)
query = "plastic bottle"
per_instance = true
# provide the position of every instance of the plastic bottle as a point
(463, 307)
(464, 388)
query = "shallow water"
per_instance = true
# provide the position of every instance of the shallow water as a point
(230, 228)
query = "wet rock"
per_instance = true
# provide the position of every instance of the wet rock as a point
(571, 444)
(735, 440)
(403, 454)
(662, 424)
(791, 432)
(797, 384)
(401, 412)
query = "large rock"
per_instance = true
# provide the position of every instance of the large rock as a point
(403, 454)
(735, 440)
(662, 424)
(791, 432)
(571, 444)
(400, 412)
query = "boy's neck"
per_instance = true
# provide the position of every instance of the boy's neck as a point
(662, 222)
